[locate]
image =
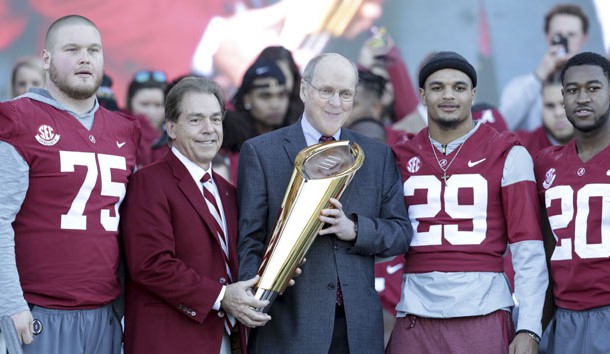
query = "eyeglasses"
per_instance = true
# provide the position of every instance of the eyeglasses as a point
(148, 75)
(327, 92)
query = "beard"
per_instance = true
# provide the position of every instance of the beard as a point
(76, 93)
(596, 125)
(449, 124)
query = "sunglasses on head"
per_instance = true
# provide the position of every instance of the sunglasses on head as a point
(147, 75)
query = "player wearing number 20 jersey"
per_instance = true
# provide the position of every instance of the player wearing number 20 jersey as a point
(462, 227)
(576, 195)
(66, 239)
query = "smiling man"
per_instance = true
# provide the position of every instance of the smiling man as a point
(64, 165)
(573, 186)
(180, 235)
(333, 307)
(470, 192)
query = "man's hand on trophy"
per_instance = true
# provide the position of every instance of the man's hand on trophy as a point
(239, 302)
(297, 272)
(338, 223)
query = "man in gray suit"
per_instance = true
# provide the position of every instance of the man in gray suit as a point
(333, 307)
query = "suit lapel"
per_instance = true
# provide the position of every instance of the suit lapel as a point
(191, 192)
(295, 140)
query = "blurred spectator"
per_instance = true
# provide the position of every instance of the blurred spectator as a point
(488, 114)
(380, 55)
(566, 28)
(145, 100)
(146, 95)
(367, 103)
(555, 129)
(418, 118)
(260, 106)
(369, 127)
(283, 58)
(27, 72)
(105, 95)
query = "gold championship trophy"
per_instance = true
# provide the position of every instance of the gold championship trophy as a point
(321, 171)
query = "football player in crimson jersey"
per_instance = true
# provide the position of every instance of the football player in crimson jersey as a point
(65, 162)
(573, 184)
(470, 192)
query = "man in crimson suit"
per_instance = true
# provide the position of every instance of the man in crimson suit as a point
(180, 232)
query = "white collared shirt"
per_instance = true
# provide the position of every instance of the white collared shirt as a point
(312, 135)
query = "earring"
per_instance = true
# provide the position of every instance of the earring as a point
(247, 106)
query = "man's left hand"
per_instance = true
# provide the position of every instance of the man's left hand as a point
(339, 223)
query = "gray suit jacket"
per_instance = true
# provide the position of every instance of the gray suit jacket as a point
(303, 317)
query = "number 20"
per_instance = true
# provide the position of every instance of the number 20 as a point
(74, 218)
(477, 212)
(581, 247)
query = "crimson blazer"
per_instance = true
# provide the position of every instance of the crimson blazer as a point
(175, 263)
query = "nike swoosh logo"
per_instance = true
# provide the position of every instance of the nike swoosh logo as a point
(472, 164)
(391, 269)
(120, 145)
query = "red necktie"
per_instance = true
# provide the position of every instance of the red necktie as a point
(221, 238)
(325, 138)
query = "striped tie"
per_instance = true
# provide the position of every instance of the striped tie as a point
(220, 236)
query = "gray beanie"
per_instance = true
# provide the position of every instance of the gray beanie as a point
(447, 60)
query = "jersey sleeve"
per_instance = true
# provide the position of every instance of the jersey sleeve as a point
(522, 214)
(10, 120)
(14, 181)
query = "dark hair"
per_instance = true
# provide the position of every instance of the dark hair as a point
(587, 58)
(372, 82)
(33, 63)
(66, 20)
(186, 85)
(553, 79)
(279, 53)
(140, 81)
(261, 68)
(567, 9)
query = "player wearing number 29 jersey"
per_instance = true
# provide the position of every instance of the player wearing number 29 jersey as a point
(454, 267)
(66, 229)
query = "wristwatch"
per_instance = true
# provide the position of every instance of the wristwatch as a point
(531, 334)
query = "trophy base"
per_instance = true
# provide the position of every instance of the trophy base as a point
(264, 294)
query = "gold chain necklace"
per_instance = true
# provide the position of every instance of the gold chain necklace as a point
(440, 165)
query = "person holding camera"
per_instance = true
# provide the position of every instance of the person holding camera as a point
(566, 28)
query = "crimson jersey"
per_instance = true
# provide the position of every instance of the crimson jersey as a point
(388, 282)
(534, 141)
(464, 226)
(576, 195)
(66, 239)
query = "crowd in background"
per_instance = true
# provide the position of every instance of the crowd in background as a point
(387, 107)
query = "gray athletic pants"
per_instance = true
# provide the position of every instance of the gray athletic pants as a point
(573, 332)
(96, 331)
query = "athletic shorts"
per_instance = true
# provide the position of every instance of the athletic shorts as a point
(578, 332)
(96, 331)
(489, 334)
